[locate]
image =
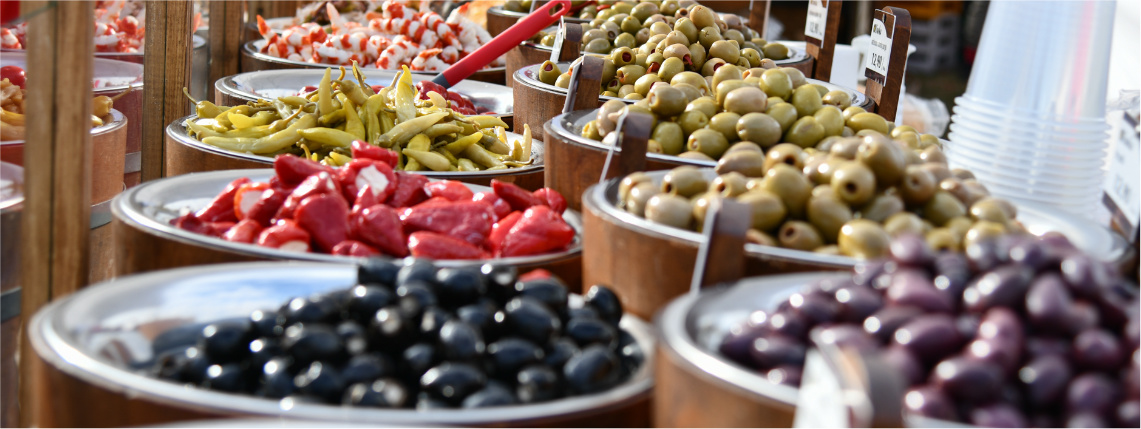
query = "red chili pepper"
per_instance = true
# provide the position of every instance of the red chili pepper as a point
(431, 245)
(500, 207)
(326, 217)
(449, 189)
(192, 223)
(292, 170)
(540, 230)
(552, 198)
(363, 150)
(409, 190)
(518, 198)
(14, 74)
(245, 231)
(276, 183)
(222, 208)
(536, 274)
(361, 173)
(467, 220)
(354, 248)
(434, 201)
(500, 229)
(267, 206)
(285, 235)
(317, 184)
(246, 197)
(380, 227)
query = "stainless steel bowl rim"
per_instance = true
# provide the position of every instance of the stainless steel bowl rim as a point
(498, 10)
(796, 55)
(177, 131)
(127, 208)
(15, 173)
(250, 48)
(106, 62)
(1038, 219)
(118, 120)
(56, 346)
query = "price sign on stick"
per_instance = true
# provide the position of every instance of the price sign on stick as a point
(560, 36)
(816, 21)
(879, 51)
(1122, 183)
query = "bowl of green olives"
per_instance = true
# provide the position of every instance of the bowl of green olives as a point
(500, 18)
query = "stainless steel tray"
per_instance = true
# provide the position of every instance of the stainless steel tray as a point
(252, 49)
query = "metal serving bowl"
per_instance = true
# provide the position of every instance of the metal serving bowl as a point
(102, 337)
(499, 19)
(254, 60)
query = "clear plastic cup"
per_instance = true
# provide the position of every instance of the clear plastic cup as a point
(1000, 121)
(1024, 165)
(989, 144)
(1045, 146)
(1062, 186)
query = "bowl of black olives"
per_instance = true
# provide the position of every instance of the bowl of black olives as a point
(387, 342)
(1015, 332)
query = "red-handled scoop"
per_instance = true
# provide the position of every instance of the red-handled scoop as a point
(526, 28)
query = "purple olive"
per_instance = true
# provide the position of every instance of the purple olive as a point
(998, 415)
(1097, 349)
(857, 303)
(1133, 332)
(1083, 316)
(930, 337)
(1133, 376)
(738, 342)
(911, 251)
(1001, 324)
(1043, 420)
(1128, 414)
(788, 324)
(1083, 275)
(1004, 286)
(1091, 392)
(968, 325)
(1118, 303)
(1044, 346)
(1048, 303)
(905, 363)
(914, 288)
(865, 273)
(928, 401)
(985, 255)
(1044, 380)
(1086, 420)
(968, 379)
(829, 286)
(1057, 241)
(1004, 354)
(788, 375)
(1035, 255)
(887, 320)
(847, 336)
(952, 274)
(773, 351)
(815, 308)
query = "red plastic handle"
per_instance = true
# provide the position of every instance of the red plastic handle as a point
(526, 28)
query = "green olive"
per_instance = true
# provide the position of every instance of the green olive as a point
(768, 209)
(820, 89)
(983, 231)
(669, 136)
(630, 25)
(917, 186)
(633, 96)
(867, 121)
(691, 92)
(959, 225)
(702, 16)
(930, 140)
(882, 207)
(955, 187)
(775, 82)
(705, 104)
(513, 6)
(725, 87)
(943, 240)
(687, 28)
(784, 114)
(711, 65)
(547, 40)
(745, 100)
(775, 51)
(660, 28)
(806, 100)
(904, 223)
(726, 73)
(629, 74)
(863, 239)
(851, 111)
(670, 67)
(643, 10)
(708, 142)
(563, 81)
(678, 50)
(962, 174)
(805, 132)
(791, 185)
(745, 146)
(692, 120)
(990, 209)
(900, 129)
(799, 235)
(726, 124)
(598, 46)
(653, 62)
(697, 56)
(669, 7)
(643, 84)
(750, 45)
(938, 170)
(609, 70)
(757, 237)
(699, 206)
(909, 139)
(685, 181)
(639, 195)
(642, 36)
(590, 130)
(746, 163)
(708, 35)
(884, 157)
(759, 128)
(943, 207)
(725, 50)
(625, 40)
(695, 155)
(612, 85)
(675, 38)
(629, 182)
(752, 55)
(729, 185)
(847, 148)
(626, 90)
(623, 7)
(549, 73)
(832, 119)
(785, 153)
(819, 169)
(669, 210)
(666, 101)
(592, 35)
(623, 56)
(854, 183)
(841, 99)
(606, 115)
(828, 214)
(796, 76)
(756, 72)
(933, 154)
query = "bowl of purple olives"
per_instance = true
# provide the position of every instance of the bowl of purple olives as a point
(387, 342)
(1013, 332)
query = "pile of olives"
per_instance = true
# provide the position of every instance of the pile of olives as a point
(1018, 332)
(848, 198)
(414, 335)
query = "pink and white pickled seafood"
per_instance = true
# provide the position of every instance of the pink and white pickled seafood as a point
(397, 36)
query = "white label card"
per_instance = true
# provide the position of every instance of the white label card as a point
(1122, 181)
(821, 402)
(560, 36)
(879, 50)
(817, 19)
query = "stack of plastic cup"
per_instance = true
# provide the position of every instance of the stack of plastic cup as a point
(1031, 125)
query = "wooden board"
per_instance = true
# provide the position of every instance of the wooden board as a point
(822, 51)
(225, 39)
(169, 33)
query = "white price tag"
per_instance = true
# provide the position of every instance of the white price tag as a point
(1122, 181)
(879, 50)
(821, 402)
(817, 19)
(560, 36)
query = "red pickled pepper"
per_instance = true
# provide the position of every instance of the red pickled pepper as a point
(245, 231)
(222, 208)
(354, 248)
(539, 230)
(380, 226)
(425, 244)
(326, 217)
(317, 184)
(285, 233)
(366, 173)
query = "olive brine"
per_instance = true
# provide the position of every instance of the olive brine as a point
(1018, 332)
(416, 335)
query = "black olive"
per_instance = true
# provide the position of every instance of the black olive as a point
(415, 297)
(225, 342)
(307, 343)
(482, 316)
(321, 380)
(549, 291)
(364, 301)
(583, 313)
(366, 368)
(378, 271)
(425, 402)
(603, 300)
(417, 359)
(537, 383)
(267, 323)
(591, 331)
(277, 378)
(262, 350)
(531, 319)
(459, 286)
(630, 352)
(416, 271)
(494, 395)
(452, 382)
(227, 378)
(500, 282)
(460, 341)
(300, 398)
(315, 309)
(594, 370)
(354, 336)
(431, 321)
(390, 329)
(507, 356)
(560, 351)
(383, 393)
(170, 366)
(177, 339)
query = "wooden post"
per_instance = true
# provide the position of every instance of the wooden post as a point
(271, 9)
(721, 256)
(822, 48)
(166, 73)
(883, 88)
(759, 16)
(56, 221)
(225, 40)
